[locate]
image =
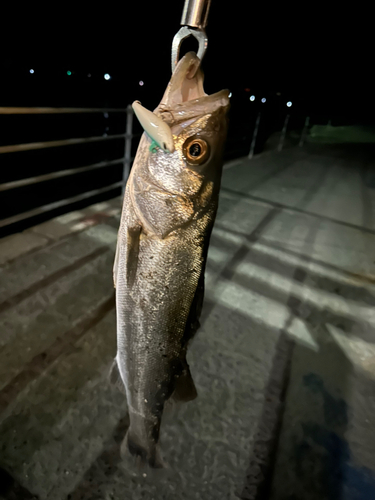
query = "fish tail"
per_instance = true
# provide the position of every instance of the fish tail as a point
(141, 441)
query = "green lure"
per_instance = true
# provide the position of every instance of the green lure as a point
(154, 146)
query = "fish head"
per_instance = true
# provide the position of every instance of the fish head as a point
(191, 131)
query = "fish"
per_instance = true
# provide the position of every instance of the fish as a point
(169, 208)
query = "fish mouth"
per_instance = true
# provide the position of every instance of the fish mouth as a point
(184, 100)
(186, 85)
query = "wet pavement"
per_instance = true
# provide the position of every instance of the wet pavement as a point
(284, 360)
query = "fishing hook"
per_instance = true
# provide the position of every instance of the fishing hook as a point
(193, 22)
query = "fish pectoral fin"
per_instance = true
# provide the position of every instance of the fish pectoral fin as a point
(132, 251)
(127, 248)
(114, 376)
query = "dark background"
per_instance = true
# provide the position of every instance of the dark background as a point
(319, 56)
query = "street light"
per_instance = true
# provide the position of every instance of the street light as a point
(252, 98)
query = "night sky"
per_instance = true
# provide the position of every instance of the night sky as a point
(312, 53)
(318, 58)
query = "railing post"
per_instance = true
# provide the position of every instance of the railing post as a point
(283, 133)
(255, 133)
(128, 145)
(304, 130)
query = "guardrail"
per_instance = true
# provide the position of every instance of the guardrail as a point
(126, 159)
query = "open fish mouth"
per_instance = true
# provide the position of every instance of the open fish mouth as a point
(186, 85)
(183, 101)
(186, 82)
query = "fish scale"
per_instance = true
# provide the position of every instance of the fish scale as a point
(168, 213)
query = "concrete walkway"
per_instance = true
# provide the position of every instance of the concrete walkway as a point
(286, 347)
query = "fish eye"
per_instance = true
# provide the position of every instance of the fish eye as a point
(196, 150)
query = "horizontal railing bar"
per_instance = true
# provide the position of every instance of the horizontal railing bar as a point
(42, 111)
(55, 175)
(53, 144)
(57, 204)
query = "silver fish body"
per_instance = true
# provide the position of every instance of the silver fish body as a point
(169, 208)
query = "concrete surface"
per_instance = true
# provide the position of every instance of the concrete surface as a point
(284, 360)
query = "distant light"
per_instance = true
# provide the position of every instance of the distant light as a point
(107, 76)
(105, 115)
(252, 98)
(247, 90)
(69, 73)
(31, 71)
(289, 103)
(278, 93)
(141, 83)
(89, 75)
(230, 94)
(264, 99)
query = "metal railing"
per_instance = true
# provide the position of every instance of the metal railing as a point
(126, 159)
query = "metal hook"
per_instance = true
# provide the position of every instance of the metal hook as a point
(193, 21)
(180, 36)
